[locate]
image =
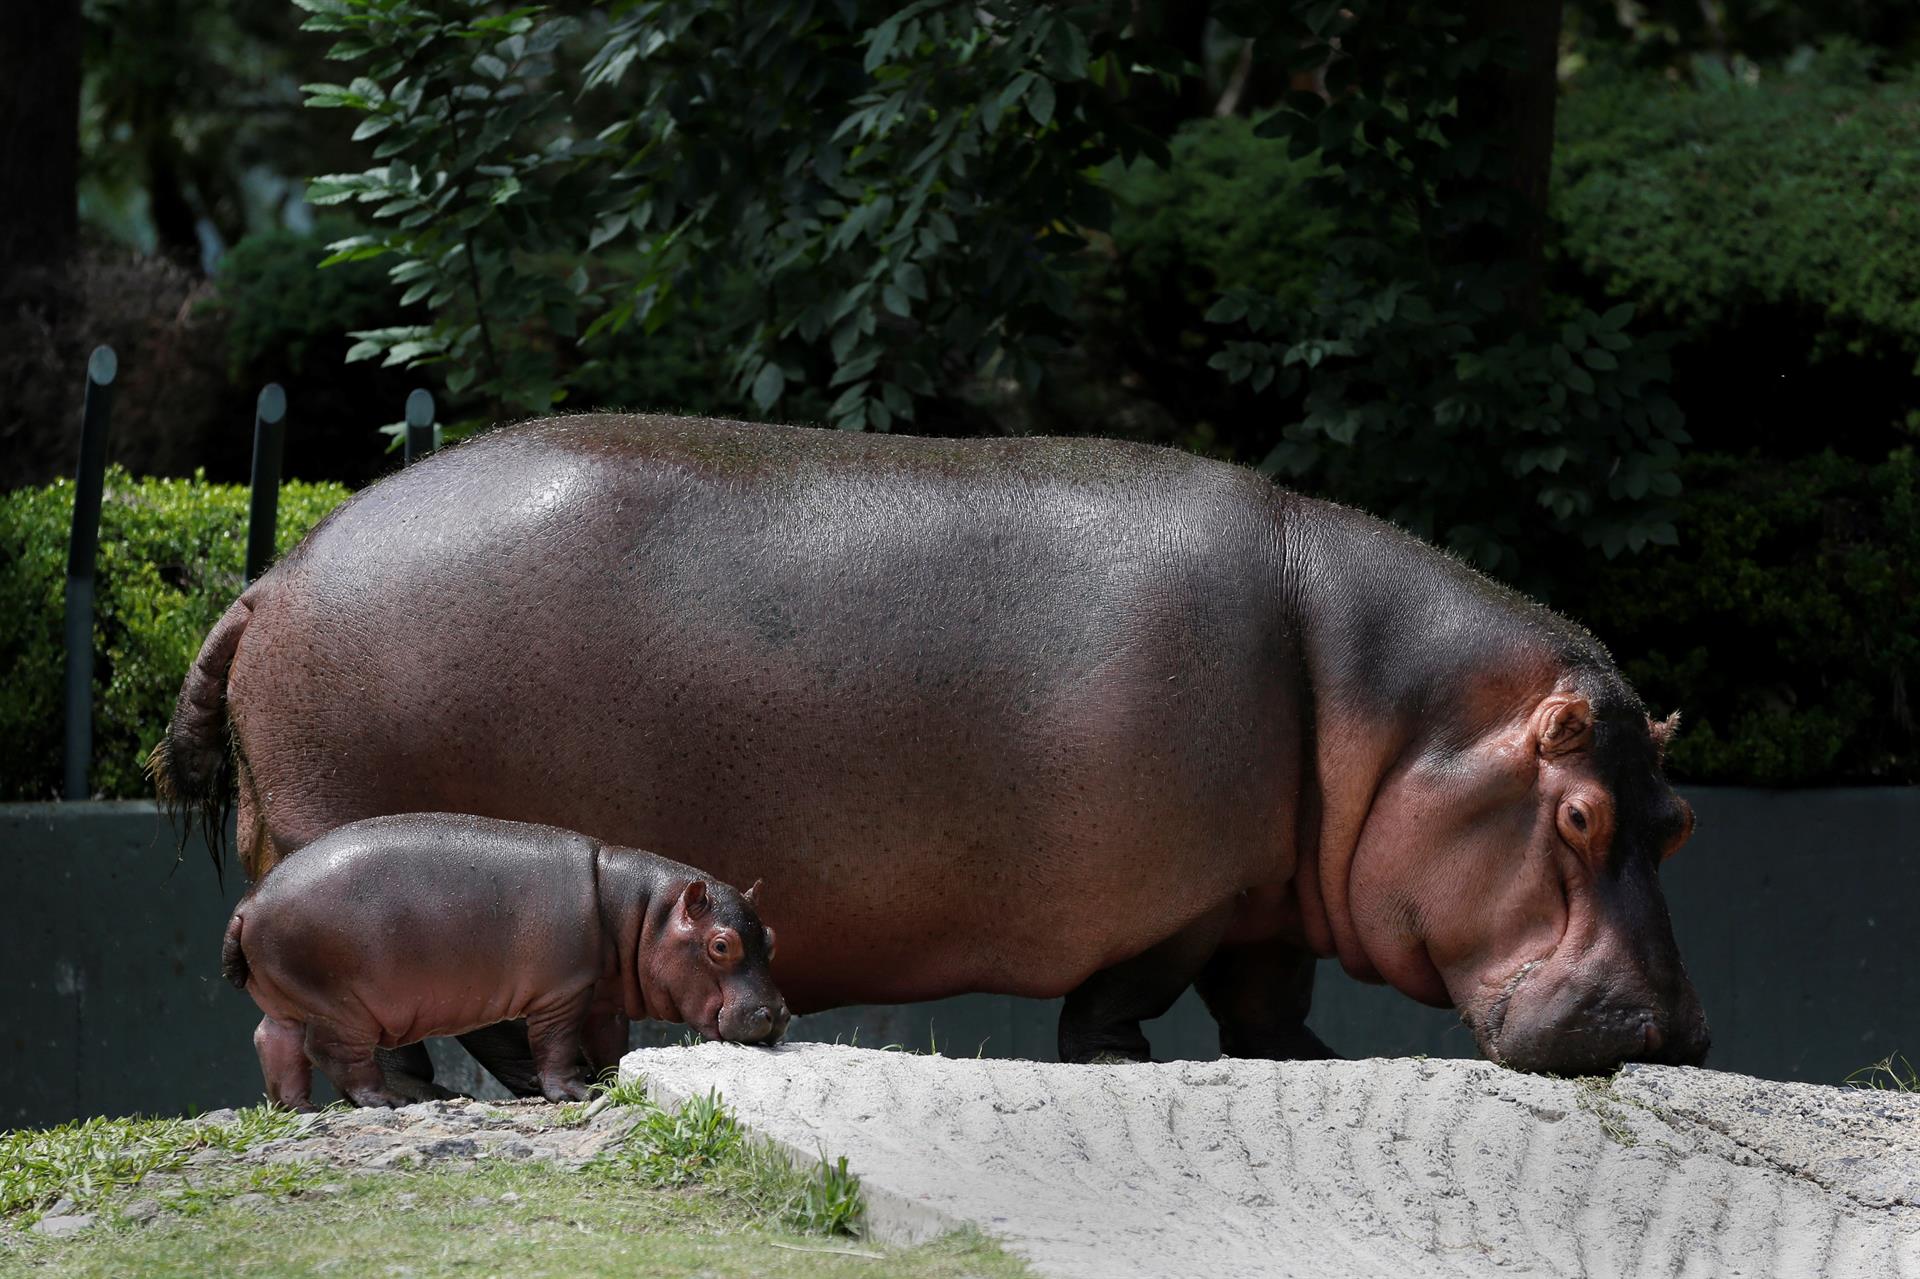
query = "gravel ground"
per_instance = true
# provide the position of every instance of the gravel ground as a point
(1402, 1167)
(447, 1135)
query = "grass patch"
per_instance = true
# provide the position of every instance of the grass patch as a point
(86, 1160)
(1595, 1095)
(686, 1190)
(1892, 1073)
(528, 1220)
(700, 1142)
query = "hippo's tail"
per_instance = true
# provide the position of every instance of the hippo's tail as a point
(192, 767)
(233, 960)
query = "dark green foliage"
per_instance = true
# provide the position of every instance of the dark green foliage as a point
(1786, 623)
(1799, 193)
(1229, 210)
(899, 184)
(171, 557)
(1435, 383)
(1689, 33)
(280, 310)
(190, 122)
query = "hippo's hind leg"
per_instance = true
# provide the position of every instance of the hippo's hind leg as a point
(1260, 994)
(502, 1049)
(282, 1046)
(1101, 1018)
(345, 1055)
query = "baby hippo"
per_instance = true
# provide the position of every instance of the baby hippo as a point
(388, 931)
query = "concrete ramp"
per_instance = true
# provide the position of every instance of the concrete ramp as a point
(1393, 1167)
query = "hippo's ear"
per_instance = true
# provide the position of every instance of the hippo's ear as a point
(752, 896)
(694, 902)
(1563, 724)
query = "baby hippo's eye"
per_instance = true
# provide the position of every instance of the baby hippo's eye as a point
(721, 946)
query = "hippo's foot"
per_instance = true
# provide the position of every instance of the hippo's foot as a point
(413, 1089)
(1104, 1045)
(407, 1072)
(378, 1098)
(566, 1089)
(503, 1050)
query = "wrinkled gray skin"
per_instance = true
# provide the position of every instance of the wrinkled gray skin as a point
(389, 931)
(1034, 716)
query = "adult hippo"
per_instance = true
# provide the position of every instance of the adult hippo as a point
(1034, 716)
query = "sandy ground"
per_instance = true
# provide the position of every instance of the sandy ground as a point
(1398, 1167)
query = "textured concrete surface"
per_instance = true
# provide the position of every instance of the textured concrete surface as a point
(1401, 1167)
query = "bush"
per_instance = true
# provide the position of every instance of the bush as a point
(281, 309)
(172, 553)
(173, 409)
(1802, 188)
(1230, 209)
(1777, 223)
(1786, 623)
(288, 321)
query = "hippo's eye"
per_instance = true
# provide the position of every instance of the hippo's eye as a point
(1578, 816)
(720, 948)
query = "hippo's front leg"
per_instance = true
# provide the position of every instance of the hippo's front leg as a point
(1100, 1021)
(605, 1039)
(501, 1049)
(553, 1033)
(1260, 994)
(408, 1071)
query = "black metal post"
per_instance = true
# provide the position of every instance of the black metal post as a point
(82, 548)
(263, 509)
(419, 424)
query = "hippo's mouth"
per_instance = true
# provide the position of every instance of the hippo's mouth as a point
(1493, 1023)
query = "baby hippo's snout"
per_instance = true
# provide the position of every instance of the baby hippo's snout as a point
(754, 1022)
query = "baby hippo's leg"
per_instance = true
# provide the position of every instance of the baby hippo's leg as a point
(283, 1062)
(554, 1035)
(605, 1035)
(409, 1073)
(345, 1054)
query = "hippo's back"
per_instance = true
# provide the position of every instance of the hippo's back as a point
(918, 685)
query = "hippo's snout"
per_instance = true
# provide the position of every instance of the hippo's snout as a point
(1684, 1042)
(763, 1024)
(1597, 1041)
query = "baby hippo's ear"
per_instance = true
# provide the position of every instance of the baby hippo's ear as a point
(695, 905)
(752, 895)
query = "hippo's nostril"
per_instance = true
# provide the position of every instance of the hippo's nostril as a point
(760, 1022)
(1651, 1038)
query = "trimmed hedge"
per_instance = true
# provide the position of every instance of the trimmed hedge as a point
(1801, 191)
(172, 553)
(1776, 224)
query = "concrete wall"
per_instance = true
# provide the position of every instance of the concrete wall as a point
(1796, 913)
